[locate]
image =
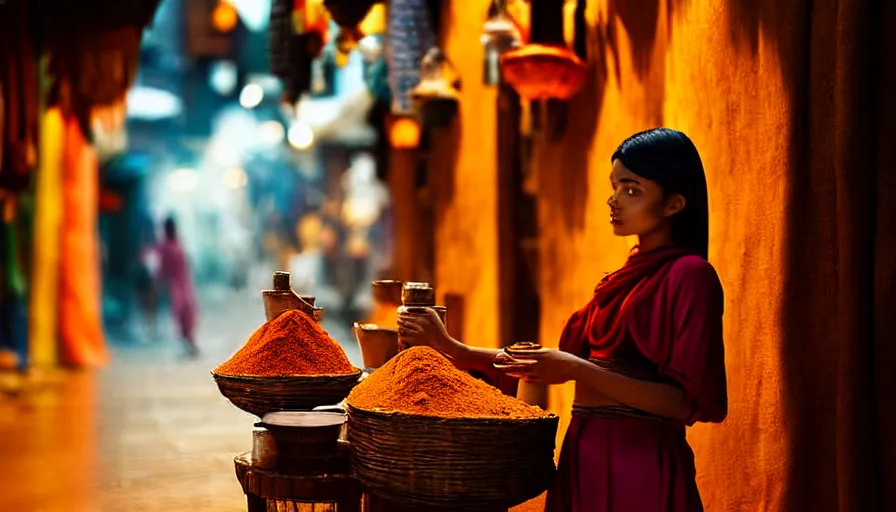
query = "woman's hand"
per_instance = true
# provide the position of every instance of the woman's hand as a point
(426, 328)
(552, 367)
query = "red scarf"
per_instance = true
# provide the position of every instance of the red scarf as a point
(599, 328)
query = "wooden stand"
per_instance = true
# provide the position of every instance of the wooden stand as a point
(296, 493)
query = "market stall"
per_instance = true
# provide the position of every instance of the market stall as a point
(409, 432)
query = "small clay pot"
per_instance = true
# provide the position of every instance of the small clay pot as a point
(387, 292)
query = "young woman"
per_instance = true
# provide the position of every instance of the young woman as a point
(646, 352)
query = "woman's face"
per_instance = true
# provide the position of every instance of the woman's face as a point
(639, 206)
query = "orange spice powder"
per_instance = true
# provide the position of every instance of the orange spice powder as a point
(423, 382)
(534, 505)
(291, 344)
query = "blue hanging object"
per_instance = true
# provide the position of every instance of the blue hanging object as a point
(409, 36)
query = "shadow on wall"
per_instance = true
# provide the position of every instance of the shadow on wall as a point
(569, 174)
(444, 148)
(826, 51)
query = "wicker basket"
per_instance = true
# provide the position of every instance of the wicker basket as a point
(261, 395)
(466, 464)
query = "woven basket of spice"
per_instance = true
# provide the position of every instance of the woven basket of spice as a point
(425, 434)
(289, 363)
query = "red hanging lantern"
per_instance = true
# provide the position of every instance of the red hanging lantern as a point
(540, 71)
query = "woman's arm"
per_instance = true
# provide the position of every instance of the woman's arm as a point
(557, 367)
(470, 358)
(428, 330)
(655, 398)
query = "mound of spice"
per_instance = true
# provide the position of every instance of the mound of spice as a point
(423, 382)
(291, 344)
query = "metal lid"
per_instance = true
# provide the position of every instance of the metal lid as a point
(303, 419)
(418, 294)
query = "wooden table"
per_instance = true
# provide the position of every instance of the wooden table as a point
(296, 492)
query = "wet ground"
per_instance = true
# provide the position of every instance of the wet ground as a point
(148, 433)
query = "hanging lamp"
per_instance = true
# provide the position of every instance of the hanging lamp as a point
(434, 96)
(349, 14)
(499, 34)
(541, 71)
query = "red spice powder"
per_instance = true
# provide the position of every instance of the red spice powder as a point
(423, 382)
(291, 344)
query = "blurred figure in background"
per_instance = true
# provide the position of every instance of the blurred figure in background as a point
(174, 273)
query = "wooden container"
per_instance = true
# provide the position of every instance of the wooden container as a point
(283, 298)
(378, 344)
(516, 358)
(387, 292)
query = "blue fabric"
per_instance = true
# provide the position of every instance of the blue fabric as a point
(410, 36)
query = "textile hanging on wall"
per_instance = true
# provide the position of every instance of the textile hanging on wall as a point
(80, 299)
(100, 66)
(410, 35)
(43, 308)
(19, 90)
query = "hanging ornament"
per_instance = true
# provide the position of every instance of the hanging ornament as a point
(539, 71)
(499, 35)
(435, 97)
(348, 14)
(296, 37)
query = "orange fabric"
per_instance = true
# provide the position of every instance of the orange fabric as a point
(80, 324)
(791, 106)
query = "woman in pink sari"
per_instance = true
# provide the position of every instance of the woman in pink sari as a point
(174, 272)
(646, 352)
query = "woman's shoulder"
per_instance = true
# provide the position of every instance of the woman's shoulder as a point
(692, 271)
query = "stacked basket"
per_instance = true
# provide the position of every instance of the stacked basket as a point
(458, 463)
(261, 395)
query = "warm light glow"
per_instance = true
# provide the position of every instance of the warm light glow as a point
(272, 133)
(235, 178)
(375, 21)
(404, 133)
(251, 96)
(300, 136)
(521, 13)
(224, 17)
(183, 180)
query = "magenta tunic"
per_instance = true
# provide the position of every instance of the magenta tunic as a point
(623, 460)
(659, 319)
(174, 271)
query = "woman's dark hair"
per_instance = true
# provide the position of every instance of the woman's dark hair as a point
(170, 227)
(670, 158)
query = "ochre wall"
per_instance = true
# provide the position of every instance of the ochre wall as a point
(710, 69)
(686, 70)
(463, 171)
